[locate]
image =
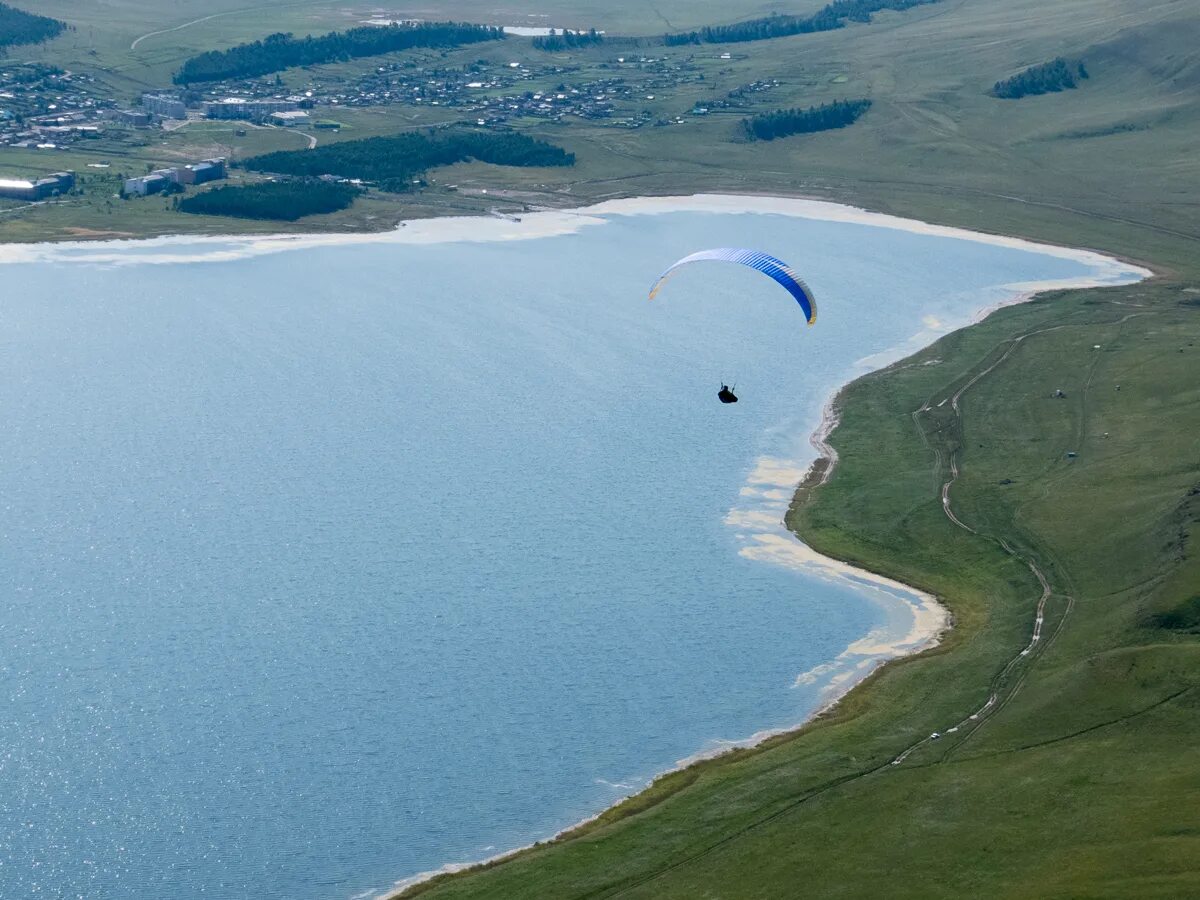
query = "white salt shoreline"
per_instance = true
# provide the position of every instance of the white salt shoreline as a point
(772, 482)
(529, 226)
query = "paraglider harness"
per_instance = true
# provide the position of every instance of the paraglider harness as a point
(725, 395)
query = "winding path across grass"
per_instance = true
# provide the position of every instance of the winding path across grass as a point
(975, 720)
(229, 12)
(998, 696)
(151, 34)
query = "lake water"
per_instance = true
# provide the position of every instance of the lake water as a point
(320, 568)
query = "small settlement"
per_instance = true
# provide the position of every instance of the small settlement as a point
(44, 107)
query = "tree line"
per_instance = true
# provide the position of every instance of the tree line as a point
(1047, 78)
(284, 200)
(394, 163)
(568, 40)
(20, 27)
(281, 51)
(832, 15)
(785, 122)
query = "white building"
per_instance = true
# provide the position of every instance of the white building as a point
(289, 118)
(201, 172)
(151, 184)
(23, 189)
(164, 106)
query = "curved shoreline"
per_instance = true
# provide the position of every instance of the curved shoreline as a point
(531, 226)
(930, 619)
(930, 622)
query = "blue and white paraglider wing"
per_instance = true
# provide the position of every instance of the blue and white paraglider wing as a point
(773, 268)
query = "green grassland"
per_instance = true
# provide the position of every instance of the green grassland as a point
(1082, 782)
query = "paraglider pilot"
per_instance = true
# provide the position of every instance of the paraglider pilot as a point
(725, 395)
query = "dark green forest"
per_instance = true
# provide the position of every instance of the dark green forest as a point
(785, 122)
(281, 51)
(19, 27)
(832, 15)
(568, 40)
(394, 162)
(283, 200)
(1057, 75)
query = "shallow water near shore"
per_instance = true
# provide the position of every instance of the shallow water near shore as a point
(326, 566)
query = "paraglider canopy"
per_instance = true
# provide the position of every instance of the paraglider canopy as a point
(773, 268)
(770, 266)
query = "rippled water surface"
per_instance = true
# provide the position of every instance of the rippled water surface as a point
(325, 567)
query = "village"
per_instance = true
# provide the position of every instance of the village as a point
(498, 94)
(45, 109)
(487, 93)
